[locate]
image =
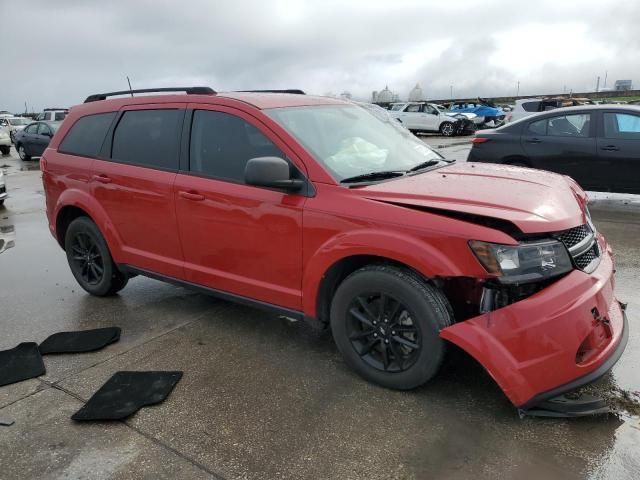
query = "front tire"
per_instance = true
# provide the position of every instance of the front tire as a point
(5, 150)
(90, 260)
(446, 129)
(386, 323)
(22, 153)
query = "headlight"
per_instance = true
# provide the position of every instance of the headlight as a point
(523, 263)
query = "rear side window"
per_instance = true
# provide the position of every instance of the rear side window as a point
(222, 144)
(621, 125)
(86, 135)
(570, 125)
(43, 129)
(148, 138)
(33, 128)
(59, 116)
(531, 106)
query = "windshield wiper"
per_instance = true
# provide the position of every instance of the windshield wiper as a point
(428, 163)
(374, 176)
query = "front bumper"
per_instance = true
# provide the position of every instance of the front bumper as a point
(563, 337)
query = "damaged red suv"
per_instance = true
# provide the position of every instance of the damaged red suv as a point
(327, 210)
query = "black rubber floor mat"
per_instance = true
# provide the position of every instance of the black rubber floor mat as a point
(80, 341)
(20, 363)
(127, 392)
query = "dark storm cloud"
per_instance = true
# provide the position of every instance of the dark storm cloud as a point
(57, 52)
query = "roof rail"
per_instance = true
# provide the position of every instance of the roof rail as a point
(188, 90)
(294, 91)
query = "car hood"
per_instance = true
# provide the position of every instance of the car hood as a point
(533, 200)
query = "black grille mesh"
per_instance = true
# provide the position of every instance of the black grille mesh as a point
(587, 257)
(575, 235)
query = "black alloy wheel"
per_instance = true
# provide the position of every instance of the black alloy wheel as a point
(383, 333)
(86, 257)
(90, 260)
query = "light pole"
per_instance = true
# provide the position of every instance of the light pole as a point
(451, 90)
(518, 89)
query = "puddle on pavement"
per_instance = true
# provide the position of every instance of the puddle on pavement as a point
(619, 400)
(7, 237)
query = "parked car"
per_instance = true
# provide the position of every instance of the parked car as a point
(488, 114)
(5, 141)
(34, 138)
(52, 115)
(316, 209)
(425, 117)
(597, 145)
(3, 189)
(14, 124)
(530, 106)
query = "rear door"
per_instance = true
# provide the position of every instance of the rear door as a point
(619, 150)
(41, 139)
(28, 138)
(563, 144)
(133, 182)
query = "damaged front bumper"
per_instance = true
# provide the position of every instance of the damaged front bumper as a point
(562, 337)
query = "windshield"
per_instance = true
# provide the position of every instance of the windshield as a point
(18, 121)
(350, 140)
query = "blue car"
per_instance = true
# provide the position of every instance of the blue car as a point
(493, 116)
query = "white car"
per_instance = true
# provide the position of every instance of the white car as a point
(52, 114)
(5, 141)
(14, 124)
(530, 106)
(3, 188)
(426, 117)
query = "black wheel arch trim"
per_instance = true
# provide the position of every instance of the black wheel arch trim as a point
(589, 377)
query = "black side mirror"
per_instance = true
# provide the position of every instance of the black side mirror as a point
(271, 172)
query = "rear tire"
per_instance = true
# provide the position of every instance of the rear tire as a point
(22, 153)
(446, 129)
(90, 260)
(386, 323)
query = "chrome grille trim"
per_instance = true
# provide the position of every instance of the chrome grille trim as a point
(581, 242)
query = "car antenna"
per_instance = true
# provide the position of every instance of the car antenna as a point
(130, 89)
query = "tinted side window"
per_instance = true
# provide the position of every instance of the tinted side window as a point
(537, 128)
(33, 128)
(531, 106)
(59, 116)
(87, 134)
(570, 125)
(413, 108)
(621, 125)
(149, 138)
(221, 145)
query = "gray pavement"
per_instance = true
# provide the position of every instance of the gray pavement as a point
(263, 397)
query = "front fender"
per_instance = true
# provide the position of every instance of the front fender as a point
(84, 201)
(400, 247)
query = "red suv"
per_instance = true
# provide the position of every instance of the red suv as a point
(328, 210)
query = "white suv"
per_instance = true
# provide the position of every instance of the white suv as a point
(426, 117)
(52, 114)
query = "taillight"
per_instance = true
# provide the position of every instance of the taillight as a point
(479, 140)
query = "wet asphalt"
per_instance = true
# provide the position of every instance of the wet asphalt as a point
(263, 397)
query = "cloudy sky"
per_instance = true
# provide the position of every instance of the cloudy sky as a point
(54, 53)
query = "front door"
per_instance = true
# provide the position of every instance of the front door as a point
(563, 144)
(41, 139)
(238, 238)
(619, 151)
(134, 186)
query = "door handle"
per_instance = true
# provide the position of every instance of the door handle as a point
(610, 148)
(101, 178)
(196, 197)
(534, 140)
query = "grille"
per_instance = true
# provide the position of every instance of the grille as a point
(575, 235)
(571, 238)
(584, 260)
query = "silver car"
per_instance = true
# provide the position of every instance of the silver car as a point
(3, 189)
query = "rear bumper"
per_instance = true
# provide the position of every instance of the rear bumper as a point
(563, 337)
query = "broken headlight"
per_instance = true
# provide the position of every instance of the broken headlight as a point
(523, 263)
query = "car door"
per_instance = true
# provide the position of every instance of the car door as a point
(41, 139)
(240, 239)
(412, 117)
(431, 118)
(133, 183)
(28, 138)
(619, 150)
(563, 144)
